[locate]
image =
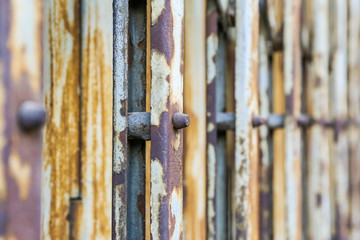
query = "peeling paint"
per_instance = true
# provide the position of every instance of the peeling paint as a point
(159, 82)
(211, 43)
(245, 189)
(176, 212)
(211, 189)
(157, 6)
(158, 191)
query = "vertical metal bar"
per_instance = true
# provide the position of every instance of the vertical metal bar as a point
(275, 13)
(265, 157)
(246, 185)
(318, 145)
(61, 163)
(339, 111)
(166, 199)
(292, 90)
(120, 106)
(221, 164)
(211, 130)
(307, 100)
(230, 135)
(20, 152)
(279, 181)
(136, 103)
(195, 134)
(354, 114)
(96, 119)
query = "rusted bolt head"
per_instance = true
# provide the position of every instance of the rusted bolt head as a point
(181, 120)
(31, 116)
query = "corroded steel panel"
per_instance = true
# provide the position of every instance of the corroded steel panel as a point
(96, 119)
(211, 129)
(60, 180)
(246, 184)
(120, 106)
(20, 152)
(166, 199)
(292, 91)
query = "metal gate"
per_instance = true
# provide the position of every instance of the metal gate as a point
(97, 97)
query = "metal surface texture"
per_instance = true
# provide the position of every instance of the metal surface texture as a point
(246, 185)
(20, 152)
(167, 39)
(120, 107)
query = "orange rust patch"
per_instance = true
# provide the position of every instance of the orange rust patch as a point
(61, 140)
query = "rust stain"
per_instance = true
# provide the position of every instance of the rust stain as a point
(96, 120)
(62, 130)
(195, 134)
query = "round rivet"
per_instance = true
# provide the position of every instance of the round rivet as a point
(31, 116)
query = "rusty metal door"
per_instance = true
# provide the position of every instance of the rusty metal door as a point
(95, 139)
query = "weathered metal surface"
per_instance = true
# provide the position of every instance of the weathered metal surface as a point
(246, 183)
(318, 184)
(339, 160)
(292, 90)
(354, 115)
(139, 125)
(195, 106)
(96, 119)
(265, 157)
(61, 162)
(137, 103)
(120, 107)
(166, 199)
(20, 152)
(211, 129)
